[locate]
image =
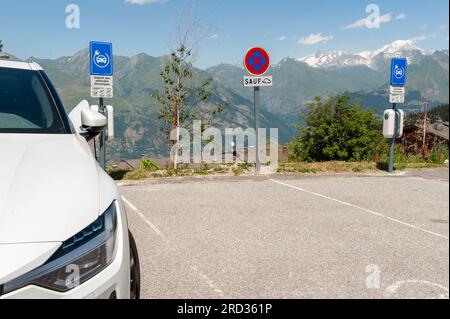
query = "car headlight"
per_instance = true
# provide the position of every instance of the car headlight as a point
(77, 260)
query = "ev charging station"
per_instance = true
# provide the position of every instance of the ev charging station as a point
(389, 123)
(393, 119)
(110, 116)
(101, 65)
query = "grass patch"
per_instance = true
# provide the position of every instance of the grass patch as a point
(201, 171)
(403, 160)
(219, 170)
(241, 168)
(433, 159)
(205, 169)
(137, 174)
(325, 167)
(245, 166)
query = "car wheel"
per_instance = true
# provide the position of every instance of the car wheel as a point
(135, 270)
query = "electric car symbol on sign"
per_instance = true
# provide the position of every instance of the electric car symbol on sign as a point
(63, 226)
(101, 59)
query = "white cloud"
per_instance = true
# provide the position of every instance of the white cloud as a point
(442, 27)
(140, 2)
(420, 38)
(401, 16)
(413, 41)
(282, 38)
(314, 39)
(365, 22)
(215, 36)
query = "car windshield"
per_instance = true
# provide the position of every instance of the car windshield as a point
(26, 105)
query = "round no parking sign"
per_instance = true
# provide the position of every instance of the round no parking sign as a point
(257, 61)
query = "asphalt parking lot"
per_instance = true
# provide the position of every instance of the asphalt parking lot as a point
(344, 236)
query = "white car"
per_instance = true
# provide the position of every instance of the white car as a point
(63, 226)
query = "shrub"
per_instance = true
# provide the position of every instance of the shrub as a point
(149, 165)
(117, 173)
(439, 155)
(336, 130)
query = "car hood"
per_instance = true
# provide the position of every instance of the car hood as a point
(18, 259)
(49, 187)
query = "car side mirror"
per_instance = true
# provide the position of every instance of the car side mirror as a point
(93, 121)
(88, 122)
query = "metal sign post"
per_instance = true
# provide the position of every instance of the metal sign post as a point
(257, 125)
(257, 62)
(101, 62)
(101, 109)
(396, 96)
(392, 147)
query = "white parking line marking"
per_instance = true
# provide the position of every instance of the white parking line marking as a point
(145, 219)
(208, 281)
(363, 209)
(392, 289)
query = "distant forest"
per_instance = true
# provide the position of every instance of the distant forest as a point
(440, 112)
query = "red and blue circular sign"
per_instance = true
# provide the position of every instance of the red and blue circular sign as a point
(257, 61)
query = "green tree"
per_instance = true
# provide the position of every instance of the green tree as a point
(183, 93)
(336, 130)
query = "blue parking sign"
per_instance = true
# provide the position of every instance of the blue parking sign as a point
(398, 71)
(101, 58)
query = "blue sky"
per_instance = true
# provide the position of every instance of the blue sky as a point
(292, 28)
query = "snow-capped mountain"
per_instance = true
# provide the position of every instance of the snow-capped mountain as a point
(334, 59)
(373, 59)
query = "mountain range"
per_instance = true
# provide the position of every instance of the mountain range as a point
(296, 82)
(373, 59)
